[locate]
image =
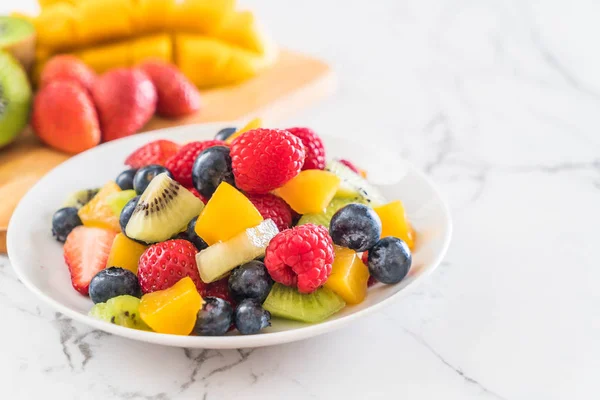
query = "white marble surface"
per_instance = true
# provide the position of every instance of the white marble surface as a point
(498, 101)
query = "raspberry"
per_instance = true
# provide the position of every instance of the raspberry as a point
(181, 163)
(315, 150)
(301, 257)
(157, 152)
(265, 159)
(365, 260)
(273, 207)
(218, 289)
(350, 165)
(163, 264)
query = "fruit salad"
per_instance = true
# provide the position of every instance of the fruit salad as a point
(223, 235)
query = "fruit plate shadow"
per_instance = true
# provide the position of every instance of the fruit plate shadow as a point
(38, 259)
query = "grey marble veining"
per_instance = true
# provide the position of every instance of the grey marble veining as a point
(498, 102)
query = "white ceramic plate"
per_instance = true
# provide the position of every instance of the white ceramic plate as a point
(38, 260)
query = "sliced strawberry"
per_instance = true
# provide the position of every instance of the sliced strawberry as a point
(156, 152)
(86, 252)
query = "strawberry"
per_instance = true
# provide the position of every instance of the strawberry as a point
(126, 100)
(157, 152)
(64, 117)
(181, 163)
(163, 264)
(67, 68)
(86, 252)
(177, 96)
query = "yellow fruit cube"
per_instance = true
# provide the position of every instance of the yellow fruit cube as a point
(395, 223)
(241, 29)
(104, 58)
(97, 213)
(152, 15)
(125, 253)
(310, 191)
(158, 47)
(173, 310)
(102, 20)
(227, 213)
(56, 26)
(253, 124)
(200, 16)
(349, 276)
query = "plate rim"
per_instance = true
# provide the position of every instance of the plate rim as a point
(228, 341)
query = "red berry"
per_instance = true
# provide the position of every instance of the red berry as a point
(67, 68)
(218, 289)
(265, 159)
(350, 165)
(198, 195)
(157, 152)
(274, 208)
(365, 260)
(301, 256)
(163, 264)
(177, 96)
(315, 150)
(86, 253)
(180, 164)
(371, 281)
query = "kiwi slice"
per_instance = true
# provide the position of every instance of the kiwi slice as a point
(120, 310)
(354, 185)
(286, 302)
(163, 210)
(15, 98)
(217, 260)
(324, 218)
(117, 201)
(17, 36)
(80, 198)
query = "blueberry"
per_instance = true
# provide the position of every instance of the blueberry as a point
(389, 260)
(250, 317)
(190, 234)
(127, 211)
(215, 317)
(250, 281)
(224, 133)
(212, 167)
(63, 222)
(125, 179)
(142, 178)
(113, 282)
(356, 227)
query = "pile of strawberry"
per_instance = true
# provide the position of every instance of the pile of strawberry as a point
(75, 110)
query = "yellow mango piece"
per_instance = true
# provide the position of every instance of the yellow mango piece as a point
(349, 276)
(97, 213)
(125, 253)
(310, 191)
(158, 47)
(394, 222)
(56, 26)
(47, 3)
(253, 124)
(227, 213)
(151, 15)
(104, 58)
(102, 20)
(210, 62)
(241, 29)
(200, 16)
(173, 310)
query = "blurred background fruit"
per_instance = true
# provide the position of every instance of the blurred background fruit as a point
(15, 98)
(17, 36)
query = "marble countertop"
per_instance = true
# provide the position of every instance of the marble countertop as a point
(498, 102)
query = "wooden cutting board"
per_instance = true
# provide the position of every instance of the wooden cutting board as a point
(296, 81)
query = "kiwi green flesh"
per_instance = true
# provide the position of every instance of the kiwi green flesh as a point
(163, 210)
(15, 98)
(286, 302)
(324, 218)
(80, 198)
(355, 185)
(117, 201)
(13, 30)
(120, 310)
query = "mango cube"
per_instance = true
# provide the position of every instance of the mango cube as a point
(253, 124)
(103, 19)
(349, 276)
(310, 191)
(125, 253)
(395, 223)
(98, 213)
(227, 213)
